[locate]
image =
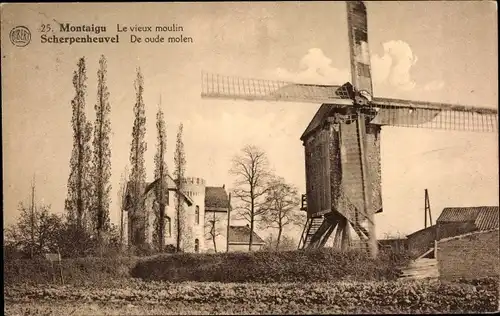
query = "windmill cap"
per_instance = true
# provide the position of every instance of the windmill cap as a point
(366, 95)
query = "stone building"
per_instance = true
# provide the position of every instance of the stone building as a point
(454, 221)
(206, 216)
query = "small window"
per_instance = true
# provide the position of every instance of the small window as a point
(196, 245)
(197, 214)
(168, 227)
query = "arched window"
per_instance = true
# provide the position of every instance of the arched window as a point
(196, 245)
(168, 227)
(197, 214)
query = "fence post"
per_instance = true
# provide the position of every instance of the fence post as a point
(53, 270)
(60, 266)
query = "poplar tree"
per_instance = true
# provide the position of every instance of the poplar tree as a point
(101, 164)
(180, 168)
(138, 149)
(77, 202)
(160, 174)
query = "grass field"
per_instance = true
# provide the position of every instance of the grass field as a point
(136, 297)
(239, 283)
(183, 308)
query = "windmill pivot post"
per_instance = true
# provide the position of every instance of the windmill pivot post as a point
(367, 205)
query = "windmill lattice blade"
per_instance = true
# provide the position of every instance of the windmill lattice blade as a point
(228, 87)
(357, 25)
(431, 115)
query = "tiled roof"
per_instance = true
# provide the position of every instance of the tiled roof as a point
(484, 217)
(216, 198)
(421, 231)
(241, 235)
(488, 218)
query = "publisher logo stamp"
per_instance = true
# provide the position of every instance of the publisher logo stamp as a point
(20, 36)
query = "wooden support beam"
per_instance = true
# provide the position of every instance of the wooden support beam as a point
(346, 236)
(316, 238)
(304, 232)
(338, 235)
(373, 246)
(327, 235)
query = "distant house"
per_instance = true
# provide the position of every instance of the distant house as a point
(454, 221)
(216, 221)
(239, 239)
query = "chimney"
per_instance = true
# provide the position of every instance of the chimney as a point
(223, 186)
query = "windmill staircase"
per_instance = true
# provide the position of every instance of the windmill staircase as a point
(318, 229)
(311, 227)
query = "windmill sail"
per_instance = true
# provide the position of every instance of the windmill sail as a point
(360, 143)
(358, 43)
(228, 87)
(403, 113)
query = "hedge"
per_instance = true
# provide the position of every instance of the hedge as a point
(74, 271)
(290, 266)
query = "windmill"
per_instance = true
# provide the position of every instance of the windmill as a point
(342, 141)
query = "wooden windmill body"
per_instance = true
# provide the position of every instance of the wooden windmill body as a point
(342, 141)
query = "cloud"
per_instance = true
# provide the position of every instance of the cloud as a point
(434, 85)
(391, 69)
(315, 68)
(394, 66)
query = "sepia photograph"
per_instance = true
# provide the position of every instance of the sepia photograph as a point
(250, 158)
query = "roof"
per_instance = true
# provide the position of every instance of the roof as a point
(487, 218)
(216, 199)
(171, 186)
(430, 228)
(241, 235)
(318, 119)
(484, 217)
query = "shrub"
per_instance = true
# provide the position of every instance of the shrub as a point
(74, 271)
(288, 266)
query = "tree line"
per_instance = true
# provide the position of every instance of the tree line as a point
(262, 198)
(85, 228)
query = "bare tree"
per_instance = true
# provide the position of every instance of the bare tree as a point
(281, 208)
(287, 243)
(251, 170)
(37, 231)
(213, 228)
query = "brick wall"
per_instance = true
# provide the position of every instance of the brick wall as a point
(445, 230)
(420, 241)
(469, 256)
(243, 247)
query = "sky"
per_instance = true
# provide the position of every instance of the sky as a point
(432, 51)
